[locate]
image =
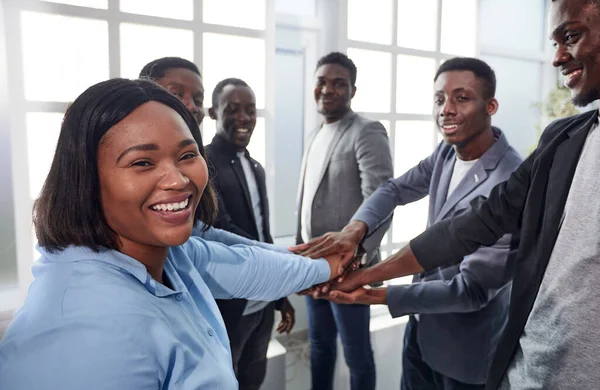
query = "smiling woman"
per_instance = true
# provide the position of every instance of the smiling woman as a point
(122, 296)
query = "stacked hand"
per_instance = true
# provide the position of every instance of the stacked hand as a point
(362, 295)
(345, 286)
(344, 244)
(349, 290)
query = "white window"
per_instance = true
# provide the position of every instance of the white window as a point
(60, 48)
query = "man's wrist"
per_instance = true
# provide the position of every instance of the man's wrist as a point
(380, 295)
(357, 229)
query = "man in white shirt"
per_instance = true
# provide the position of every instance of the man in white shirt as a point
(239, 181)
(347, 158)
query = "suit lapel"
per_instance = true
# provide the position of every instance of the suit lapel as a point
(311, 138)
(560, 178)
(441, 192)
(473, 179)
(261, 184)
(345, 123)
(236, 165)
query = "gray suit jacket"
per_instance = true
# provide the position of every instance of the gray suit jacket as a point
(358, 160)
(463, 308)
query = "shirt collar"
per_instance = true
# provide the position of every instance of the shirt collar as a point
(109, 258)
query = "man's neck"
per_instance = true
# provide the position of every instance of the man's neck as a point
(336, 117)
(476, 146)
(233, 146)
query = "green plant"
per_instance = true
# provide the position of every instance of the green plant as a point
(558, 105)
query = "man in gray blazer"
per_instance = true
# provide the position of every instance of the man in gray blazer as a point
(347, 158)
(457, 312)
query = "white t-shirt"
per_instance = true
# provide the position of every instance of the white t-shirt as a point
(461, 168)
(314, 165)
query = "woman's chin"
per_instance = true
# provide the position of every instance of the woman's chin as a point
(176, 238)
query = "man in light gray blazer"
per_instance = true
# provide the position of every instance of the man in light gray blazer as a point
(457, 312)
(347, 158)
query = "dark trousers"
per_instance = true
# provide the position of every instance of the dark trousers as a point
(325, 320)
(249, 344)
(416, 374)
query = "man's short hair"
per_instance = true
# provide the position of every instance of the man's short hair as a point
(221, 86)
(342, 60)
(156, 69)
(481, 70)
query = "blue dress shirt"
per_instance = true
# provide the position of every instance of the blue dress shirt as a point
(99, 320)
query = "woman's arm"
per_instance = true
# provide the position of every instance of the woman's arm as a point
(255, 273)
(228, 238)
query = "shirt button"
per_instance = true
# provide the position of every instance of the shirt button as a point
(211, 332)
(179, 296)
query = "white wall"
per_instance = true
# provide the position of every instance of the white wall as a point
(8, 255)
(519, 53)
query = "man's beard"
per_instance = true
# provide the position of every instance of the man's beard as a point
(585, 98)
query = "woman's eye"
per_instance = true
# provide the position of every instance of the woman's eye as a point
(141, 163)
(188, 156)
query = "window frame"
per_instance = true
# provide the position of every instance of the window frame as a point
(13, 295)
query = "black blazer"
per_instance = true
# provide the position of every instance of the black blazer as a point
(235, 207)
(532, 200)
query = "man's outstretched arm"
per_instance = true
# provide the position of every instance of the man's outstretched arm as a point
(450, 240)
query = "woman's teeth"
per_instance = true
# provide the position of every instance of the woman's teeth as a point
(171, 206)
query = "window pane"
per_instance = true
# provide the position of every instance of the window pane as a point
(459, 27)
(417, 24)
(370, 21)
(386, 124)
(414, 87)
(374, 91)
(175, 9)
(208, 130)
(384, 240)
(227, 56)
(58, 65)
(525, 32)
(519, 85)
(295, 7)
(257, 146)
(414, 142)
(410, 220)
(100, 4)
(141, 44)
(43, 129)
(236, 13)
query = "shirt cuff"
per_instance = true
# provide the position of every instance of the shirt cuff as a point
(395, 297)
(323, 270)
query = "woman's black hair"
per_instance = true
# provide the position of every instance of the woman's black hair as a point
(68, 210)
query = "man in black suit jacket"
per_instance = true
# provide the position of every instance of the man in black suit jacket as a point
(551, 337)
(240, 184)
